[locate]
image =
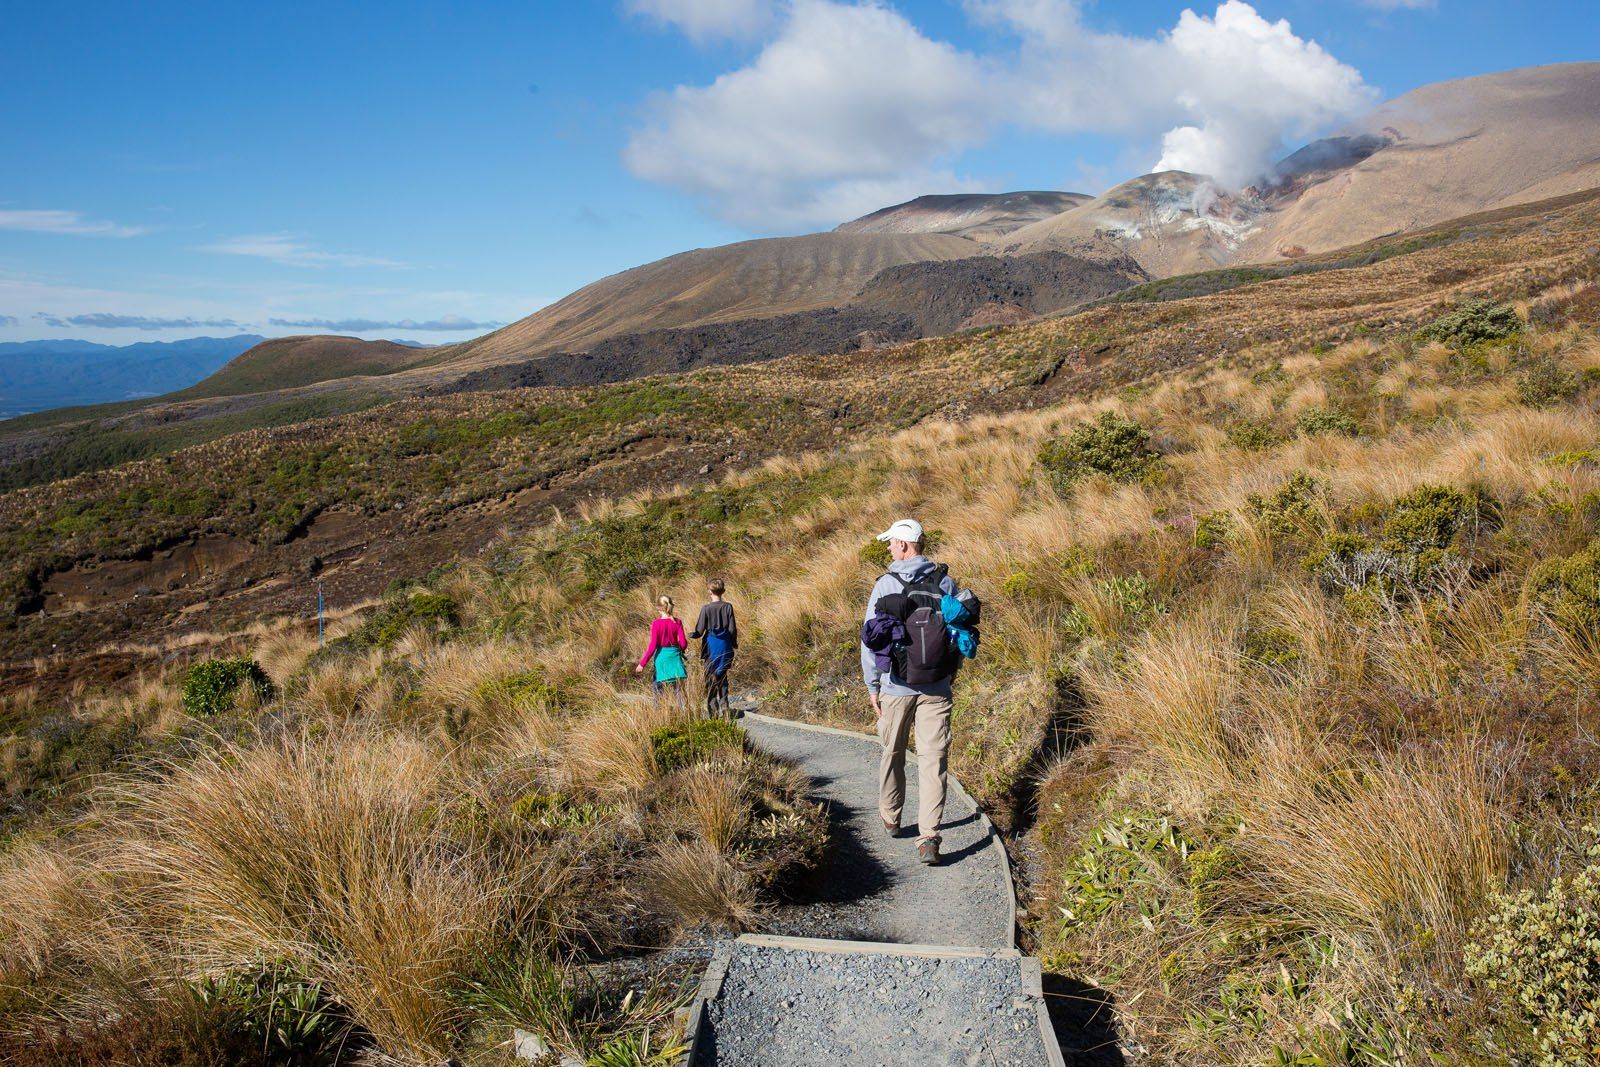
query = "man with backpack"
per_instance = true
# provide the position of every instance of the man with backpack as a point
(908, 658)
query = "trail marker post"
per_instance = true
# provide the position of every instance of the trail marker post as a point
(320, 642)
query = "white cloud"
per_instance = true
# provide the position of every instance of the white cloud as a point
(709, 20)
(850, 97)
(70, 222)
(282, 248)
(1225, 91)
(845, 94)
(449, 323)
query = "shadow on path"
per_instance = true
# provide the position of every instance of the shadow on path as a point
(1084, 1018)
(848, 871)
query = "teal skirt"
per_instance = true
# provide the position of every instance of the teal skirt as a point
(669, 664)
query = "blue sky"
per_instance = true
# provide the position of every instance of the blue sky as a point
(423, 171)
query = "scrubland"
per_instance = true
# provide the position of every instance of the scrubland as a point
(394, 849)
(1286, 704)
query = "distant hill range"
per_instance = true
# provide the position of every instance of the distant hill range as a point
(44, 374)
(938, 264)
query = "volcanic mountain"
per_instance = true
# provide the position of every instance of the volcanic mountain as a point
(1435, 153)
(918, 269)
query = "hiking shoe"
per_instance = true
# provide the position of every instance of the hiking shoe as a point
(891, 828)
(928, 850)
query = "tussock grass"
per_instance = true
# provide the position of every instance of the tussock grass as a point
(317, 851)
(1263, 804)
(698, 886)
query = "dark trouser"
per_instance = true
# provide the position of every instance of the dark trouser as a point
(717, 703)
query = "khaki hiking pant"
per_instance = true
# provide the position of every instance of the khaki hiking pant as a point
(932, 717)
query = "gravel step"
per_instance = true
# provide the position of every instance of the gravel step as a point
(805, 1002)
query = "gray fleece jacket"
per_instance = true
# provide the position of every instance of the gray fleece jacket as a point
(877, 681)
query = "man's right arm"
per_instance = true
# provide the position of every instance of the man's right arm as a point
(869, 664)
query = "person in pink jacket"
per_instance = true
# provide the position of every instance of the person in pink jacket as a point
(667, 642)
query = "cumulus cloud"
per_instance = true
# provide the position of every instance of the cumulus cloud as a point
(285, 249)
(69, 222)
(101, 320)
(844, 95)
(708, 20)
(849, 99)
(445, 323)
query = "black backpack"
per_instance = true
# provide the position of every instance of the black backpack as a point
(926, 656)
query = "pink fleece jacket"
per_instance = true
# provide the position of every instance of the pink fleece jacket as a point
(664, 632)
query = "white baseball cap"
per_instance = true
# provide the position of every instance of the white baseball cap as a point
(907, 530)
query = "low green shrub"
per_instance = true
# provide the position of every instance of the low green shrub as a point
(1272, 646)
(212, 686)
(555, 811)
(1211, 529)
(1405, 550)
(1540, 955)
(1293, 507)
(1116, 447)
(1316, 421)
(527, 689)
(1571, 588)
(1547, 382)
(431, 611)
(286, 1017)
(1473, 322)
(686, 744)
(1252, 435)
(1430, 517)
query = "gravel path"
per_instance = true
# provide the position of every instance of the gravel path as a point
(798, 1008)
(877, 959)
(872, 888)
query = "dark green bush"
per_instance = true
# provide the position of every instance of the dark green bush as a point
(1116, 447)
(552, 810)
(1326, 420)
(212, 685)
(1403, 551)
(529, 688)
(687, 744)
(1473, 322)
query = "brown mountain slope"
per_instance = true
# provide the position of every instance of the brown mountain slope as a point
(1436, 153)
(980, 216)
(287, 362)
(213, 535)
(1455, 147)
(744, 280)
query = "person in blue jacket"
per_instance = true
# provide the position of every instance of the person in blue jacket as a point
(717, 630)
